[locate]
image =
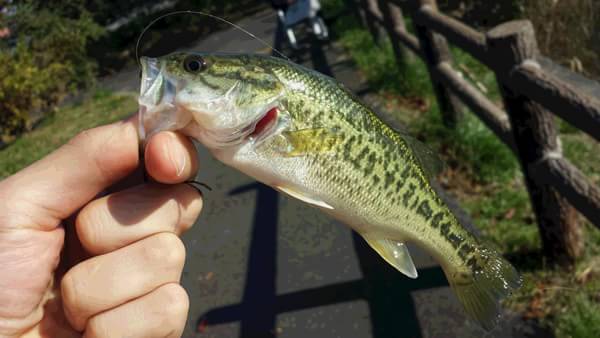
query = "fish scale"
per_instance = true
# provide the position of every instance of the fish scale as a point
(326, 148)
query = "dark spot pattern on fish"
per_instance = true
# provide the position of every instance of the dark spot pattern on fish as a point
(445, 229)
(375, 179)
(389, 178)
(415, 203)
(455, 240)
(425, 209)
(372, 158)
(465, 250)
(437, 218)
(408, 193)
(406, 172)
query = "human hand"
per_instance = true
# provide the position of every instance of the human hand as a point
(119, 271)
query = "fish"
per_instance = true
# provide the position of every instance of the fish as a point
(307, 136)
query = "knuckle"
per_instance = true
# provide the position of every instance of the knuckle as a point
(189, 206)
(87, 224)
(96, 329)
(82, 137)
(175, 304)
(71, 295)
(166, 247)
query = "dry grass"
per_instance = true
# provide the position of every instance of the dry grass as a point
(567, 32)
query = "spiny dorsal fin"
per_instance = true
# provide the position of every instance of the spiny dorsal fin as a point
(430, 162)
(395, 253)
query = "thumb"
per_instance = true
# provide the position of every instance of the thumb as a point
(37, 199)
(46, 192)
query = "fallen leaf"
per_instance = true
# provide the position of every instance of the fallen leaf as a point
(584, 276)
(509, 214)
(202, 326)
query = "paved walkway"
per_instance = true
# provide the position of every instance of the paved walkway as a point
(260, 264)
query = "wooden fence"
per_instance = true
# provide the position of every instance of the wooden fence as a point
(524, 124)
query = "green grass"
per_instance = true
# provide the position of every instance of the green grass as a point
(582, 320)
(471, 146)
(485, 177)
(101, 108)
(381, 68)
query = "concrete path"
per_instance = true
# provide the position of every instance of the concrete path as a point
(260, 264)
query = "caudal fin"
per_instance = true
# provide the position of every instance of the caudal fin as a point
(486, 279)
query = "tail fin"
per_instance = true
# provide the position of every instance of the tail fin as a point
(486, 279)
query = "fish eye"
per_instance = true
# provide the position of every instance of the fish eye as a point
(194, 64)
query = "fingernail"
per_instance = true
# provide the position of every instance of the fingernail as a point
(176, 154)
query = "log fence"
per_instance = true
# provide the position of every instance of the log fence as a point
(525, 122)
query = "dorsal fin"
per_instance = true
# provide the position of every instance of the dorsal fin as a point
(430, 162)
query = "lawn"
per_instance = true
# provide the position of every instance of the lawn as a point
(102, 107)
(485, 177)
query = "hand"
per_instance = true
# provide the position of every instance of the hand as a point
(119, 271)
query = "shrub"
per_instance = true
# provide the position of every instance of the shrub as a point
(26, 87)
(49, 60)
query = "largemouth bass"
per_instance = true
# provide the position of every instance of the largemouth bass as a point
(305, 135)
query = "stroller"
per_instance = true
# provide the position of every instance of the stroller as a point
(292, 13)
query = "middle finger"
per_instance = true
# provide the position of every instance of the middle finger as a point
(106, 281)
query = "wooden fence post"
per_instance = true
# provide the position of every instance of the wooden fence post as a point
(512, 44)
(368, 7)
(435, 49)
(394, 20)
(355, 7)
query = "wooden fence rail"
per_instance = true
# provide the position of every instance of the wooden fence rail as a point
(525, 124)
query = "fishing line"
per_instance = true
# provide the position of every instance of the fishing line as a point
(263, 42)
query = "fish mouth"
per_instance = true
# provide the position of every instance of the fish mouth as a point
(157, 109)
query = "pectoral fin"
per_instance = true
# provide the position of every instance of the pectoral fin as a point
(303, 197)
(309, 141)
(395, 253)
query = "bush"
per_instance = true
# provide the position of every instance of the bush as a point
(49, 60)
(26, 87)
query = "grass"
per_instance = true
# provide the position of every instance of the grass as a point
(583, 320)
(100, 108)
(485, 176)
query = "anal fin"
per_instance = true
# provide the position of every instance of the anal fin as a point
(395, 253)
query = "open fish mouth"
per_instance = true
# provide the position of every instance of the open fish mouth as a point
(157, 107)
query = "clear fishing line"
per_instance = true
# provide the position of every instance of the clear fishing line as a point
(238, 27)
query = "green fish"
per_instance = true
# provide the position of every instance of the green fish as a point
(306, 135)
